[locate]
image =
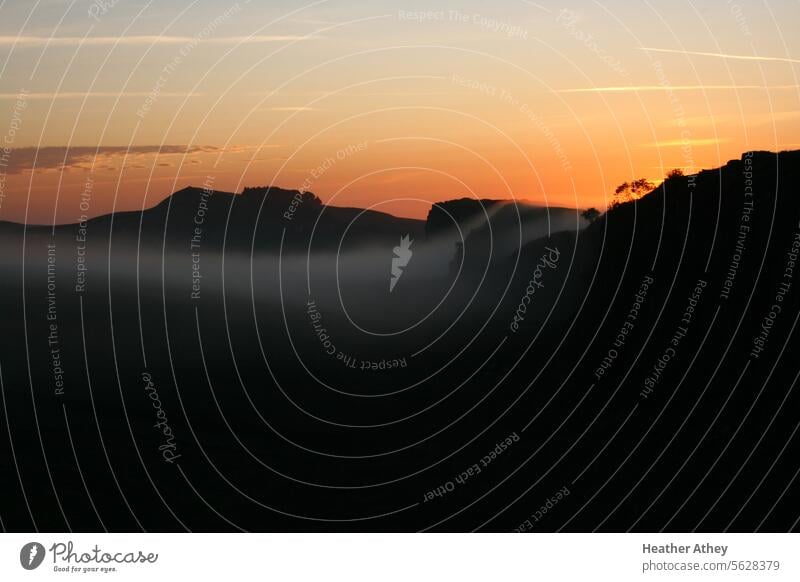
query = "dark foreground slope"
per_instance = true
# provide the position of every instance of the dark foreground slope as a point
(636, 374)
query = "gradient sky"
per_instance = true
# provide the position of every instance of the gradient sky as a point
(369, 104)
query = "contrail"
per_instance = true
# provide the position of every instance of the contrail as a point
(35, 41)
(689, 142)
(678, 88)
(92, 95)
(722, 55)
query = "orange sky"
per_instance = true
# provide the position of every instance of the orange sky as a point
(368, 104)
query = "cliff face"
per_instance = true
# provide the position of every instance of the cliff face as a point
(443, 217)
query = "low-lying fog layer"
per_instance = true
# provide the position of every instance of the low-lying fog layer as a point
(380, 290)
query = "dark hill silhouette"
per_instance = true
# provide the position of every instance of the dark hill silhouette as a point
(256, 220)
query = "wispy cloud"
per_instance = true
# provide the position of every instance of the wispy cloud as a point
(104, 157)
(91, 95)
(539, 6)
(395, 94)
(723, 55)
(146, 40)
(746, 117)
(292, 109)
(698, 142)
(643, 88)
(314, 22)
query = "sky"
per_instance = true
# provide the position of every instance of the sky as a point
(110, 105)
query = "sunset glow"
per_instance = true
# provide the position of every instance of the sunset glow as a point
(371, 105)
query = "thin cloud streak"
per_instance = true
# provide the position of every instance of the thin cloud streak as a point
(746, 117)
(63, 158)
(91, 95)
(290, 109)
(699, 142)
(37, 41)
(723, 55)
(643, 88)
